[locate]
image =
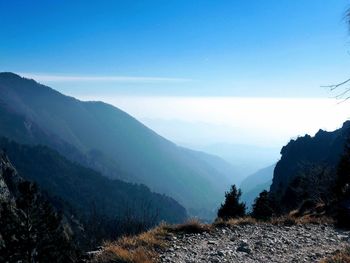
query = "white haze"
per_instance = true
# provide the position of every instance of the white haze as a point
(264, 122)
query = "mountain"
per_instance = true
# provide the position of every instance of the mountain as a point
(102, 137)
(255, 183)
(84, 189)
(324, 149)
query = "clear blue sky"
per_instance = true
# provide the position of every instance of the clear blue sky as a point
(281, 48)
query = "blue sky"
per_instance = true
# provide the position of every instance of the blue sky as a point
(242, 48)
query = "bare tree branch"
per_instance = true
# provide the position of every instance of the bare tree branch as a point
(335, 86)
(341, 95)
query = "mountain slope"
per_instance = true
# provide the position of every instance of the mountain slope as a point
(307, 156)
(254, 184)
(85, 189)
(107, 139)
(31, 230)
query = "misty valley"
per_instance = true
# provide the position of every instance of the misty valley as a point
(174, 131)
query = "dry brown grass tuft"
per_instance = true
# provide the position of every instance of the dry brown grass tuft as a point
(136, 249)
(143, 247)
(286, 220)
(116, 253)
(235, 222)
(317, 220)
(293, 219)
(192, 226)
(342, 256)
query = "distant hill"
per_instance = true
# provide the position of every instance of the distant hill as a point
(109, 140)
(254, 184)
(247, 159)
(84, 189)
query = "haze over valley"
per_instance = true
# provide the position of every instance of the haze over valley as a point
(174, 131)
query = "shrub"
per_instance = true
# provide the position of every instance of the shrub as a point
(264, 206)
(232, 208)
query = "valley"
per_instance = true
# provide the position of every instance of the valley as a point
(174, 131)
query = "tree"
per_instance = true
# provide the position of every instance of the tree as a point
(342, 188)
(32, 231)
(264, 206)
(342, 184)
(344, 94)
(232, 208)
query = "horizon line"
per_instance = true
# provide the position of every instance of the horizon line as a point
(116, 78)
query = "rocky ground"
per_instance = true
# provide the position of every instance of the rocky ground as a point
(257, 243)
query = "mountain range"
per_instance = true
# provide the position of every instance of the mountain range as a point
(108, 140)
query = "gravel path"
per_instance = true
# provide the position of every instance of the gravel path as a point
(257, 243)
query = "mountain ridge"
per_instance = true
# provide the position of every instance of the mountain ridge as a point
(325, 148)
(105, 138)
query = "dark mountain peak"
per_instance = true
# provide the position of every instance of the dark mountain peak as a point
(28, 89)
(323, 149)
(346, 124)
(11, 77)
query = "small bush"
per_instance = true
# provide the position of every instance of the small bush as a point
(232, 208)
(264, 206)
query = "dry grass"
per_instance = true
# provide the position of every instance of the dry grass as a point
(342, 256)
(309, 219)
(192, 226)
(136, 249)
(287, 220)
(115, 253)
(235, 222)
(143, 247)
(291, 219)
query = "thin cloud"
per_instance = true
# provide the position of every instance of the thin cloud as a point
(84, 78)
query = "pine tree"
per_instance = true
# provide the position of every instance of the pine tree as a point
(264, 206)
(232, 208)
(32, 231)
(11, 229)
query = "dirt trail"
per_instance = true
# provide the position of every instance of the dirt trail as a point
(257, 243)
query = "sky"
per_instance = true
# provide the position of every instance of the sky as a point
(250, 70)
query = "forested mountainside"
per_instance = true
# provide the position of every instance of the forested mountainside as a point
(87, 191)
(31, 230)
(107, 139)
